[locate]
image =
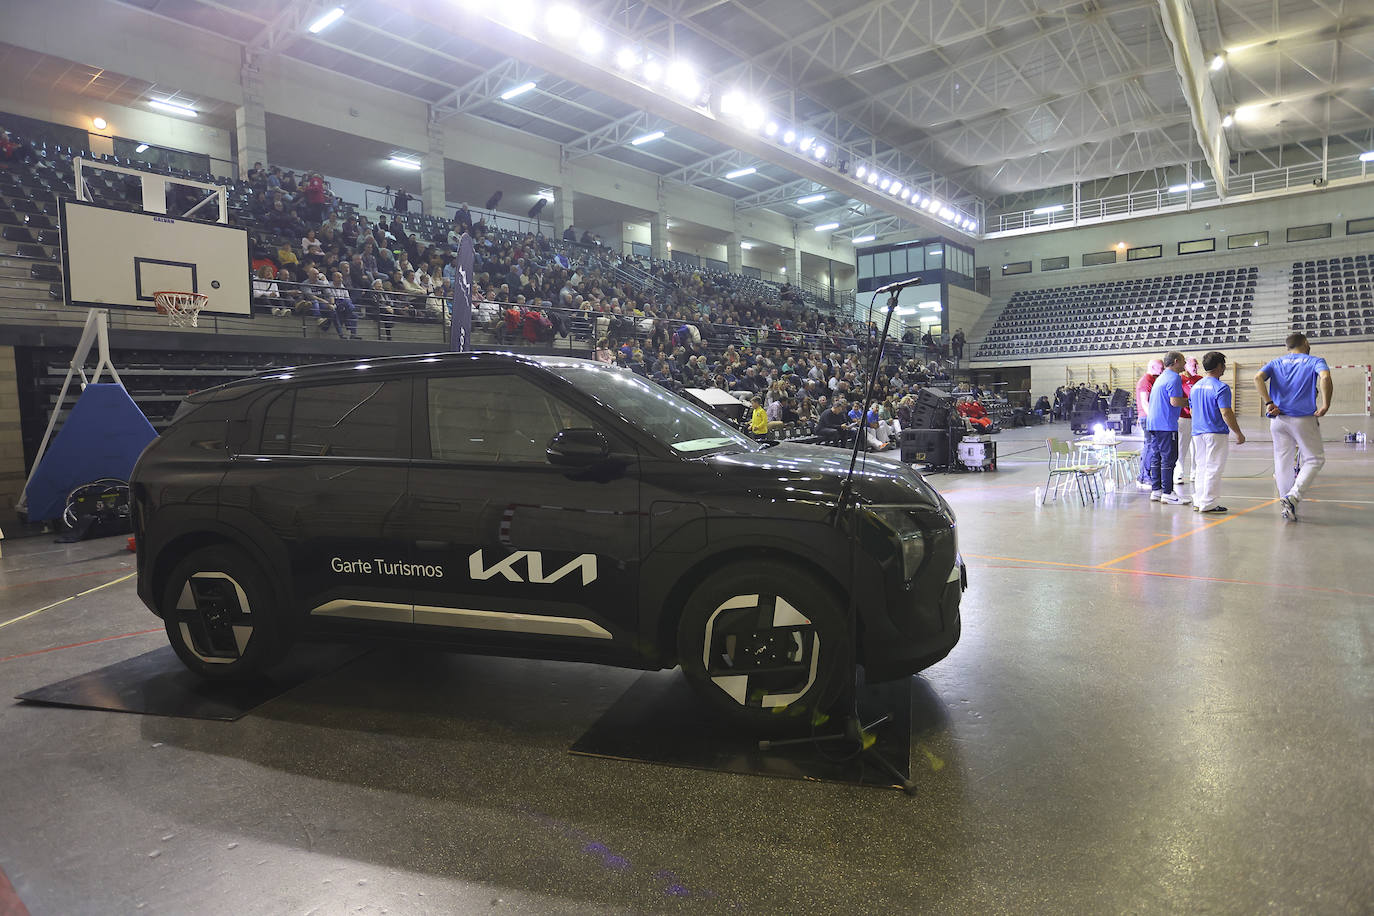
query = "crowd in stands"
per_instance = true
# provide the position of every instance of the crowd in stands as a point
(315, 257)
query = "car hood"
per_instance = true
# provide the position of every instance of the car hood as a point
(820, 471)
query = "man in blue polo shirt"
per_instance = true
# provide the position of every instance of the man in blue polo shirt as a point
(1161, 429)
(1213, 415)
(1288, 388)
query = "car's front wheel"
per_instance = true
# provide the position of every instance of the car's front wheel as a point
(765, 644)
(220, 616)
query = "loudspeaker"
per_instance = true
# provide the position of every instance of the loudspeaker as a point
(537, 208)
(493, 200)
(925, 446)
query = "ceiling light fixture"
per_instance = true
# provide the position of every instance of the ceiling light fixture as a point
(592, 42)
(1180, 188)
(771, 128)
(1228, 120)
(819, 152)
(865, 238)
(653, 71)
(740, 173)
(806, 143)
(732, 103)
(861, 171)
(789, 137)
(647, 138)
(682, 79)
(404, 163)
(140, 148)
(172, 107)
(810, 199)
(1218, 62)
(626, 58)
(517, 91)
(1367, 157)
(747, 246)
(827, 227)
(906, 193)
(325, 21)
(562, 20)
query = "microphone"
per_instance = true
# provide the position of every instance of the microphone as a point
(900, 284)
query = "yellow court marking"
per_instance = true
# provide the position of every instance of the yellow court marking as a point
(1186, 534)
(49, 607)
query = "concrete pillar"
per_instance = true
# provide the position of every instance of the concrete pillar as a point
(564, 205)
(794, 268)
(250, 122)
(658, 228)
(734, 254)
(433, 195)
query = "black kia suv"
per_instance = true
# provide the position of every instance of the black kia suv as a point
(540, 507)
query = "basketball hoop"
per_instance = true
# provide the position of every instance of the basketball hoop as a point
(180, 307)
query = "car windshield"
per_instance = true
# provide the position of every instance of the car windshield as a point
(690, 430)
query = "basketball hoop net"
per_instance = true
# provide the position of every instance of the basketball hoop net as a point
(180, 308)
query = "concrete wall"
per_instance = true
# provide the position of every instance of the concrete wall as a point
(1274, 215)
(963, 309)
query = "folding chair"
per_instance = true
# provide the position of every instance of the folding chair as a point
(1065, 468)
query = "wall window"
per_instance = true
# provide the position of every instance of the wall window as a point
(640, 250)
(935, 256)
(1197, 246)
(686, 257)
(1016, 267)
(485, 419)
(1055, 263)
(882, 263)
(754, 272)
(356, 420)
(1356, 226)
(898, 265)
(1098, 258)
(1308, 233)
(865, 266)
(1248, 240)
(916, 259)
(718, 266)
(1144, 253)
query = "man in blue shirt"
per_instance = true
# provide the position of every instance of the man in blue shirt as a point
(1288, 389)
(1161, 430)
(1210, 402)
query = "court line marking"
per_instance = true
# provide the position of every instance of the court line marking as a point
(49, 607)
(1147, 572)
(94, 572)
(89, 642)
(1186, 534)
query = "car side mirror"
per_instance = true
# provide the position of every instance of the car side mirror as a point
(577, 448)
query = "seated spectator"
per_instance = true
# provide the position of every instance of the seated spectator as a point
(311, 245)
(344, 313)
(265, 292)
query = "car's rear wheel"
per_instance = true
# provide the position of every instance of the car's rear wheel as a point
(220, 615)
(765, 644)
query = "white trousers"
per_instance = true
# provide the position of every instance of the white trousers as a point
(1209, 460)
(1297, 440)
(1184, 469)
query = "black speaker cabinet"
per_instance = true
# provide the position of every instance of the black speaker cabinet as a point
(925, 446)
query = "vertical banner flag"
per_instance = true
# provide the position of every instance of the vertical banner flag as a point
(460, 327)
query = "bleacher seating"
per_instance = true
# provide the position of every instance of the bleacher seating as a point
(1213, 306)
(1332, 297)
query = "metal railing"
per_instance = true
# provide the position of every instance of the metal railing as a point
(1165, 200)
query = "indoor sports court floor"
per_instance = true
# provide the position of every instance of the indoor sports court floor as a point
(1150, 711)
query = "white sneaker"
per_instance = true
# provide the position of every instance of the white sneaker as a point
(1142, 485)
(1156, 495)
(1174, 499)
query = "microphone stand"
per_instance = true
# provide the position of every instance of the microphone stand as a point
(854, 732)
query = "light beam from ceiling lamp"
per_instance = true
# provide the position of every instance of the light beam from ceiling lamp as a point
(647, 138)
(325, 21)
(517, 91)
(172, 107)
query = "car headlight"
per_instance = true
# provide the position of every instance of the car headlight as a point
(902, 527)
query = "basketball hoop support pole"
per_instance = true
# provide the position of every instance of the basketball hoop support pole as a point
(95, 333)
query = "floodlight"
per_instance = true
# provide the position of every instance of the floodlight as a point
(140, 148)
(626, 58)
(861, 171)
(325, 21)
(806, 143)
(895, 189)
(771, 128)
(754, 115)
(404, 162)
(827, 227)
(732, 103)
(172, 107)
(1367, 157)
(516, 91)
(653, 71)
(592, 41)
(1247, 112)
(873, 178)
(647, 138)
(747, 246)
(1218, 62)
(819, 152)
(740, 173)
(884, 184)
(682, 79)
(1180, 188)
(562, 20)
(906, 193)
(811, 199)
(1228, 120)
(789, 137)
